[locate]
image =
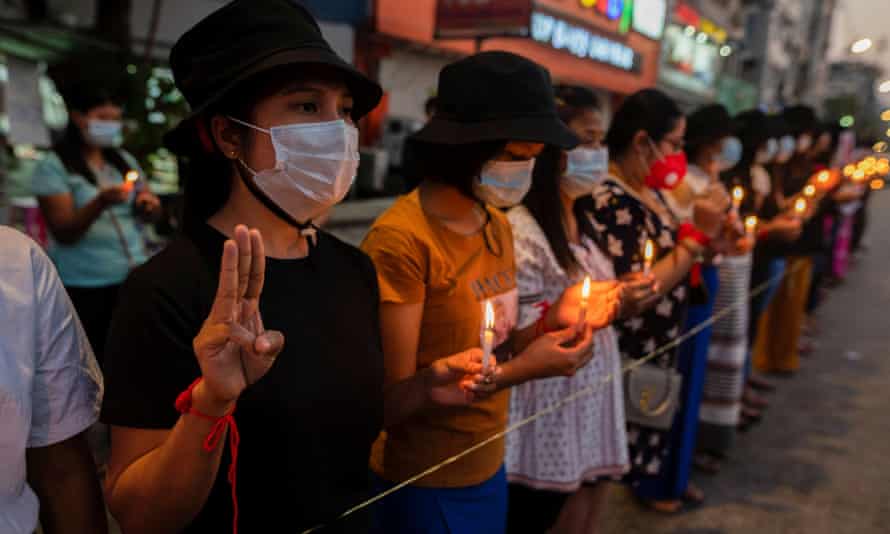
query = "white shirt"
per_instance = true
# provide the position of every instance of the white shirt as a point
(50, 384)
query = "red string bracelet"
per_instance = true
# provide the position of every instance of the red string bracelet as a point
(184, 406)
(541, 325)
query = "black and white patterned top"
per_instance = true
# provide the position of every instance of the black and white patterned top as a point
(624, 223)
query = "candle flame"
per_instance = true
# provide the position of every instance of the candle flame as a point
(859, 175)
(132, 176)
(738, 194)
(823, 176)
(585, 289)
(877, 184)
(849, 170)
(751, 223)
(489, 315)
(649, 250)
(809, 190)
(800, 206)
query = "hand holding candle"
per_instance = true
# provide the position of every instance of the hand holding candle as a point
(130, 180)
(648, 256)
(800, 207)
(750, 226)
(488, 338)
(738, 195)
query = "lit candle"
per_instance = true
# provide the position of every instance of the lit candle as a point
(130, 179)
(859, 175)
(800, 206)
(487, 337)
(750, 225)
(585, 300)
(738, 194)
(823, 177)
(849, 170)
(809, 190)
(648, 256)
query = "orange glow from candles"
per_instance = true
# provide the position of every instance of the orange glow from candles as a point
(649, 251)
(489, 315)
(800, 206)
(877, 184)
(809, 190)
(823, 177)
(738, 194)
(585, 289)
(849, 170)
(750, 223)
(859, 175)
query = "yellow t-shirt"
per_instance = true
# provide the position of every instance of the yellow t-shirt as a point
(420, 260)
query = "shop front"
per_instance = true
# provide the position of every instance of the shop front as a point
(695, 54)
(608, 45)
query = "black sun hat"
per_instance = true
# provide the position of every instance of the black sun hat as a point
(244, 38)
(495, 96)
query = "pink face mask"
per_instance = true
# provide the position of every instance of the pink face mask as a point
(668, 171)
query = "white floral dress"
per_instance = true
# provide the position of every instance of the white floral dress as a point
(584, 440)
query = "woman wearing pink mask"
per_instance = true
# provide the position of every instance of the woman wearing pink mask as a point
(627, 209)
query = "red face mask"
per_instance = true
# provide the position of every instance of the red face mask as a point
(668, 171)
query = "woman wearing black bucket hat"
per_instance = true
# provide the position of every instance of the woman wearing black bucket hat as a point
(444, 256)
(271, 145)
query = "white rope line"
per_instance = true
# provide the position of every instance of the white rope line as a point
(556, 406)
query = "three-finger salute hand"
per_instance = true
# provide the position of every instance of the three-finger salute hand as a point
(233, 348)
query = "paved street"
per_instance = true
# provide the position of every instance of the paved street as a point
(818, 463)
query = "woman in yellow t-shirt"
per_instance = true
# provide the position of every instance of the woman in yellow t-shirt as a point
(442, 253)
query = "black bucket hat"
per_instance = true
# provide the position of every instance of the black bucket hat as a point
(244, 38)
(495, 96)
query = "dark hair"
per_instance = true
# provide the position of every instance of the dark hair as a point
(801, 119)
(544, 204)
(456, 165)
(70, 146)
(572, 100)
(207, 173)
(753, 129)
(704, 127)
(649, 110)
(431, 105)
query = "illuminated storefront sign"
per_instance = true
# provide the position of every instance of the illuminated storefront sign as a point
(646, 17)
(581, 42)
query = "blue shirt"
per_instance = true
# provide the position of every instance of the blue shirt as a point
(98, 258)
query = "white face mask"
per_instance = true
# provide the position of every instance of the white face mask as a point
(504, 184)
(585, 168)
(104, 134)
(315, 165)
(787, 145)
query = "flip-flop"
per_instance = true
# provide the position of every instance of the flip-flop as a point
(707, 464)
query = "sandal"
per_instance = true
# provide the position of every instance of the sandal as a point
(707, 463)
(761, 384)
(753, 400)
(694, 496)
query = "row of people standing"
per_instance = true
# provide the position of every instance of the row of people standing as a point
(372, 357)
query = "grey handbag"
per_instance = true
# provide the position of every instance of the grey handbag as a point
(651, 395)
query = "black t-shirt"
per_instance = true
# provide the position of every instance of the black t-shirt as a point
(307, 426)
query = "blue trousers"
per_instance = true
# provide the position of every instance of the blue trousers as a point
(692, 357)
(418, 510)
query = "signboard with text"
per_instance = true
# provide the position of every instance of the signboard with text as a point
(482, 18)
